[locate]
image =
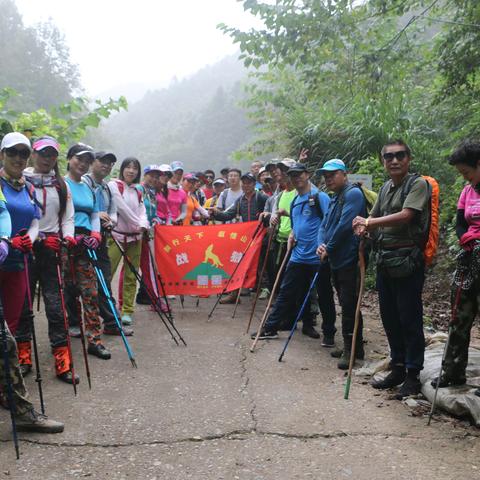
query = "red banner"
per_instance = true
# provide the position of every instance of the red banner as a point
(199, 260)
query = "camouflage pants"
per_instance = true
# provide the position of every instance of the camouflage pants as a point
(20, 396)
(456, 358)
(84, 285)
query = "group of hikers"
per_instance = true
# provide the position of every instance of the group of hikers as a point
(63, 234)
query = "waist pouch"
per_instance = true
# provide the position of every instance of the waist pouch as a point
(399, 263)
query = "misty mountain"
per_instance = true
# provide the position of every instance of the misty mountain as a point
(196, 120)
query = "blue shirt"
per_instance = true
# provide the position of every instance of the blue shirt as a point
(84, 203)
(306, 213)
(336, 231)
(22, 207)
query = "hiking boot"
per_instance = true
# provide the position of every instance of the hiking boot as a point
(67, 377)
(113, 330)
(264, 294)
(126, 319)
(231, 298)
(33, 421)
(142, 300)
(309, 331)
(74, 332)
(411, 386)
(336, 352)
(99, 350)
(265, 335)
(328, 341)
(25, 357)
(447, 380)
(344, 361)
(394, 378)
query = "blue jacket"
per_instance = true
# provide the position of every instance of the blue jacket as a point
(336, 230)
(306, 214)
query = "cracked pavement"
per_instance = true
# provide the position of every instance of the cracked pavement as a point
(213, 410)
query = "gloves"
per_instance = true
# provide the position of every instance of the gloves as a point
(52, 243)
(91, 242)
(22, 243)
(71, 242)
(3, 251)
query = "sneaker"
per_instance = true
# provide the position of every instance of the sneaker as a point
(264, 294)
(67, 377)
(127, 319)
(74, 332)
(99, 350)
(336, 352)
(328, 341)
(25, 369)
(265, 335)
(113, 330)
(230, 299)
(310, 332)
(172, 297)
(344, 361)
(446, 381)
(33, 421)
(245, 292)
(411, 386)
(394, 378)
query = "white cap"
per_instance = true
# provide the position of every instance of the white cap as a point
(15, 138)
(165, 168)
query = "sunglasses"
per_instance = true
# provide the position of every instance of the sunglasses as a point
(210, 177)
(22, 153)
(47, 154)
(401, 155)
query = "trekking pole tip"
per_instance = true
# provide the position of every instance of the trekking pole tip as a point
(134, 363)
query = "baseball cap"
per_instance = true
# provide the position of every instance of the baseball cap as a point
(165, 168)
(191, 177)
(15, 138)
(151, 168)
(248, 177)
(80, 149)
(177, 166)
(262, 169)
(45, 142)
(102, 155)
(219, 180)
(284, 164)
(332, 165)
(297, 167)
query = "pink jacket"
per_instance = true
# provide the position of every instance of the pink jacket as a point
(132, 215)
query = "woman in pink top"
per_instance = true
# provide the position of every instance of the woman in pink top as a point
(132, 224)
(171, 201)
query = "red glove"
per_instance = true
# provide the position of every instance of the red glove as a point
(22, 243)
(71, 242)
(52, 243)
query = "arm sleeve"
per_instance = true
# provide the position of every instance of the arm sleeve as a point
(68, 220)
(5, 222)
(183, 212)
(354, 205)
(34, 229)
(461, 225)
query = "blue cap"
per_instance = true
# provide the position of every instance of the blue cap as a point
(152, 168)
(332, 165)
(177, 166)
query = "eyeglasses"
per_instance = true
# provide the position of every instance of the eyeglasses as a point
(22, 153)
(401, 155)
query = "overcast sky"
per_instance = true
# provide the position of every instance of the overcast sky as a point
(119, 42)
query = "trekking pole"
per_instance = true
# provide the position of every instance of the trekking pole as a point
(361, 261)
(38, 376)
(65, 318)
(80, 321)
(237, 301)
(8, 381)
(151, 295)
(93, 256)
(270, 300)
(447, 343)
(158, 280)
(262, 271)
(300, 312)
(260, 224)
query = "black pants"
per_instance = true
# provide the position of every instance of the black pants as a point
(44, 270)
(103, 262)
(293, 290)
(326, 301)
(346, 284)
(401, 310)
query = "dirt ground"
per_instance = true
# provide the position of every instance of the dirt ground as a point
(213, 410)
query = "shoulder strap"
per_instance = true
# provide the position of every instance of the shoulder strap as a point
(407, 186)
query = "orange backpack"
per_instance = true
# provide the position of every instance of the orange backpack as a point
(431, 229)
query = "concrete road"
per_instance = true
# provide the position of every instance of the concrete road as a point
(212, 410)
